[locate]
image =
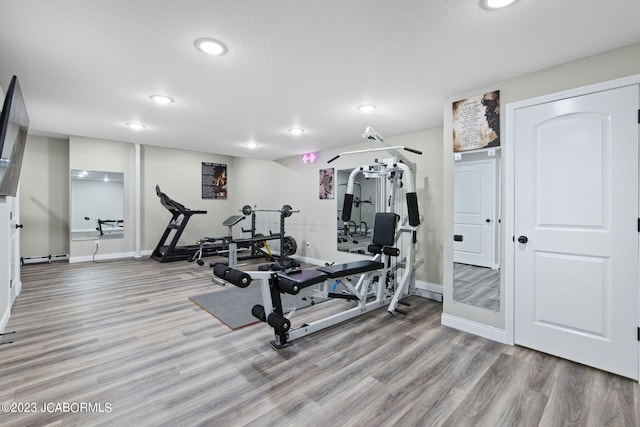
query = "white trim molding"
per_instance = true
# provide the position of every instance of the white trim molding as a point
(102, 257)
(488, 332)
(5, 319)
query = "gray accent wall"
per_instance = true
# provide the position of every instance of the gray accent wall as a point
(179, 175)
(44, 197)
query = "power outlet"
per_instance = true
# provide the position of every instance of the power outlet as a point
(308, 245)
(96, 243)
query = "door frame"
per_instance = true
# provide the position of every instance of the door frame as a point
(509, 187)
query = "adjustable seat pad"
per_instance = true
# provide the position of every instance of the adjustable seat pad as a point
(342, 270)
(300, 279)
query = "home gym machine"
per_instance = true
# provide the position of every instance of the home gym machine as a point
(180, 216)
(384, 280)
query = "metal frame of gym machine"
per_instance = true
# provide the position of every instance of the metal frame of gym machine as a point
(377, 283)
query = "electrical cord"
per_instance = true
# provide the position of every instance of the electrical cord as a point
(95, 252)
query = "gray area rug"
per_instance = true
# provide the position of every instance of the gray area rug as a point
(232, 305)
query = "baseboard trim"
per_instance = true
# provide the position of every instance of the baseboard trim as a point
(17, 288)
(310, 260)
(429, 287)
(5, 319)
(475, 328)
(101, 257)
(432, 291)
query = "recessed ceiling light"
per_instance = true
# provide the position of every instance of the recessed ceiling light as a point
(161, 99)
(136, 125)
(366, 108)
(211, 46)
(496, 4)
(251, 145)
(296, 131)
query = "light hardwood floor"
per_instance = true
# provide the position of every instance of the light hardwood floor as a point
(477, 286)
(124, 333)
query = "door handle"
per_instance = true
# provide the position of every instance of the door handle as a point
(523, 239)
(19, 225)
(458, 237)
(488, 220)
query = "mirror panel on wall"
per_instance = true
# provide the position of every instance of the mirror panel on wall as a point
(476, 229)
(97, 205)
(356, 236)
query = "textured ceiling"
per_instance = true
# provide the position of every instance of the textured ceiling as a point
(88, 67)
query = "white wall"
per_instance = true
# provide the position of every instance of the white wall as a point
(44, 197)
(5, 253)
(108, 156)
(607, 66)
(179, 175)
(271, 185)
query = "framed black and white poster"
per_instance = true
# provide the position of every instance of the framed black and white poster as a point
(476, 122)
(214, 181)
(327, 184)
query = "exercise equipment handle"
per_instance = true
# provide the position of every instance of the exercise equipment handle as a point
(413, 150)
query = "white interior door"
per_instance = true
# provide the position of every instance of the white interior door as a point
(576, 229)
(474, 212)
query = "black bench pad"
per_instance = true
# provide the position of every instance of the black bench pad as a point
(342, 270)
(291, 283)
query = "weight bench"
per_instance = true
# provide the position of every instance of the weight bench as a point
(350, 268)
(209, 246)
(369, 293)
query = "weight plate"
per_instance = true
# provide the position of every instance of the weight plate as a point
(289, 245)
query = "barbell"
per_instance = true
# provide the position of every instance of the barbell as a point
(286, 210)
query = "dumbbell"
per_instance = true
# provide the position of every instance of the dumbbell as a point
(286, 210)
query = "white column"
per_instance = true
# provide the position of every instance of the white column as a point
(138, 202)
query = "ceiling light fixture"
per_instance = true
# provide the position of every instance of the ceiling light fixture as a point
(251, 145)
(496, 4)
(136, 125)
(211, 46)
(296, 131)
(366, 108)
(161, 99)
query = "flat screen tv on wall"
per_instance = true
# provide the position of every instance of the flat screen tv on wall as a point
(14, 124)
